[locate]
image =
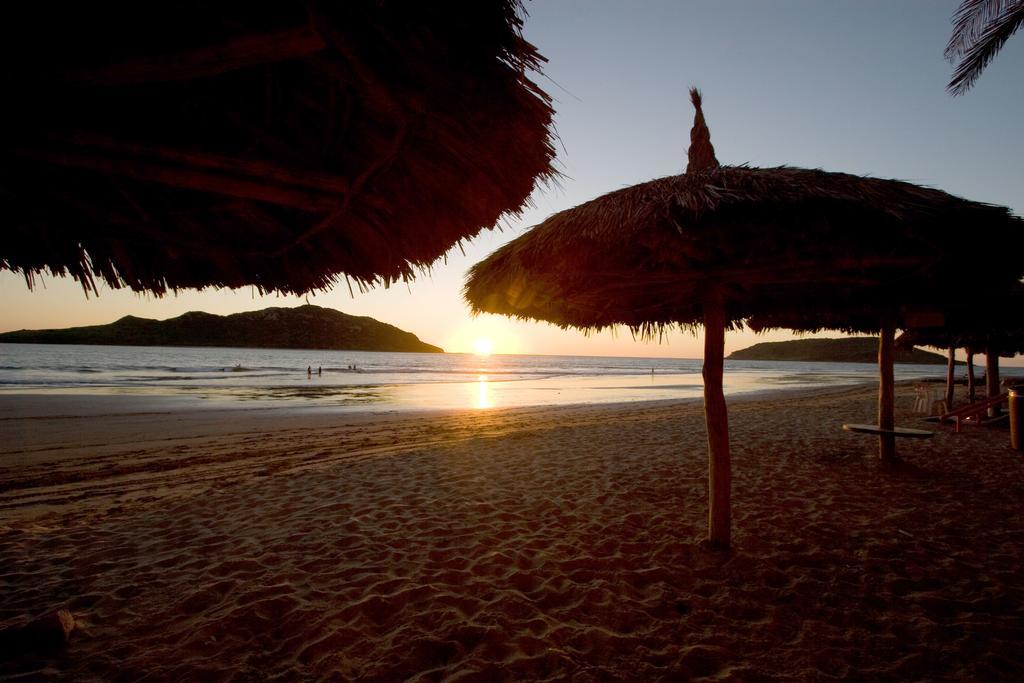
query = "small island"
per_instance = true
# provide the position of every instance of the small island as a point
(842, 350)
(304, 327)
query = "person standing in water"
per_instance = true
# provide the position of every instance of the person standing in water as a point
(309, 371)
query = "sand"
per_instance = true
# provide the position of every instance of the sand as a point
(527, 544)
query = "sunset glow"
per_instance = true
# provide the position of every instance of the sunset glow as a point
(483, 346)
(369, 339)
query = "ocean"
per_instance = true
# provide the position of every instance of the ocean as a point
(372, 381)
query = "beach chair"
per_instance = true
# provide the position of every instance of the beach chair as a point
(930, 399)
(973, 413)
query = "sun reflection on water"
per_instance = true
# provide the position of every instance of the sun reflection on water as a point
(483, 393)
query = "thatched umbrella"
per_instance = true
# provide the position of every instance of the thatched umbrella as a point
(992, 327)
(853, 316)
(160, 145)
(980, 305)
(717, 245)
(995, 334)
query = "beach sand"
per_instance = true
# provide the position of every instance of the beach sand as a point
(523, 544)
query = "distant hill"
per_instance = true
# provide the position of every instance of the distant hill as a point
(845, 350)
(305, 327)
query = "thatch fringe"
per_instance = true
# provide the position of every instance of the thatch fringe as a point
(775, 239)
(160, 146)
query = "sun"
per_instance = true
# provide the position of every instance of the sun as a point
(483, 346)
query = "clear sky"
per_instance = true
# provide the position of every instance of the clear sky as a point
(855, 86)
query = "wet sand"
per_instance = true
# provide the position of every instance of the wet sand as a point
(524, 544)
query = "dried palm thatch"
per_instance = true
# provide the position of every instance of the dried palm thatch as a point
(770, 240)
(989, 322)
(993, 326)
(160, 146)
(718, 245)
(1004, 343)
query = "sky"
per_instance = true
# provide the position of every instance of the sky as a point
(855, 86)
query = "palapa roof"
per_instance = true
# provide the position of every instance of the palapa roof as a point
(979, 321)
(282, 145)
(992, 324)
(770, 239)
(1007, 343)
(855, 315)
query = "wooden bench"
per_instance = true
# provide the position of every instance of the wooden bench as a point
(974, 410)
(895, 431)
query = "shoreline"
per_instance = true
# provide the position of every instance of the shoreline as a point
(398, 381)
(33, 404)
(40, 403)
(75, 420)
(512, 544)
(109, 450)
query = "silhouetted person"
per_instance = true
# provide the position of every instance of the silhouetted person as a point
(319, 370)
(309, 371)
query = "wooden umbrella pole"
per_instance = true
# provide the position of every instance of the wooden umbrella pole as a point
(950, 377)
(970, 375)
(992, 378)
(716, 418)
(886, 394)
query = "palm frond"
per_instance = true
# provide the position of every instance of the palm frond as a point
(982, 45)
(969, 21)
